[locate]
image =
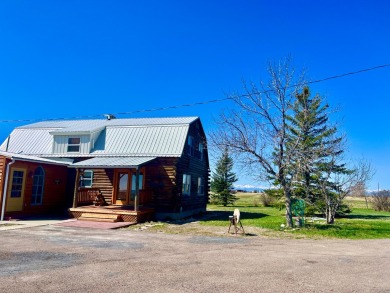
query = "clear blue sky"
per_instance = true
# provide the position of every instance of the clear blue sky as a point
(84, 58)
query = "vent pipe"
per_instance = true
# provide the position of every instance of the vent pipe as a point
(109, 116)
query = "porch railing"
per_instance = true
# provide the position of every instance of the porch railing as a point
(87, 195)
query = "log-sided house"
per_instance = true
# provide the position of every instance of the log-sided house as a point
(117, 169)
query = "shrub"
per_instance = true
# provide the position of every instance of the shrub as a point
(267, 200)
(381, 201)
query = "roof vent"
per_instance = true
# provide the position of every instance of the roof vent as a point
(109, 116)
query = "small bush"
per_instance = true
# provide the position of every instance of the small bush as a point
(381, 201)
(311, 210)
(267, 200)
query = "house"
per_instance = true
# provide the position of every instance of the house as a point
(138, 168)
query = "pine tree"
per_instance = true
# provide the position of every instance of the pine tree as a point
(317, 150)
(222, 180)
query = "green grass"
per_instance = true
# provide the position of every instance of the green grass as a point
(362, 223)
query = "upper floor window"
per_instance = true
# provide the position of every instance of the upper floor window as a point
(190, 143)
(186, 184)
(200, 149)
(87, 178)
(38, 185)
(73, 144)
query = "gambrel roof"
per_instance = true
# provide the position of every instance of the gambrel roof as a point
(138, 137)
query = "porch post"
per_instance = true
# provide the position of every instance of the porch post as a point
(76, 187)
(136, 197)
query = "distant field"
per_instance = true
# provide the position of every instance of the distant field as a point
(362, 223)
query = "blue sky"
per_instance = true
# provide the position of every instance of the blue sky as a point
(64, 59)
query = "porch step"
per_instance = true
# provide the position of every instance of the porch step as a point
(99, 217)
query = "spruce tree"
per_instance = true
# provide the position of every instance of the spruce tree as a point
(222, 180)
(316, 148)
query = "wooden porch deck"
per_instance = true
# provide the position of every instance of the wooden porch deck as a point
(123, 213)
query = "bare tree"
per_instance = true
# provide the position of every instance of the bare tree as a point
(256, 130)
(359, 190)
(338, 182)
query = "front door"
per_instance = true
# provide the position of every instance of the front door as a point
(122, 188)
(15, 193)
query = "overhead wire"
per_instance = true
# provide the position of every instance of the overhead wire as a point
(196, 103)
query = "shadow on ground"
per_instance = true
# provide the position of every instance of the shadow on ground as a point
(366, 217)
(217, 216)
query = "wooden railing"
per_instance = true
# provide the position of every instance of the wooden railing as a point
(87, 195)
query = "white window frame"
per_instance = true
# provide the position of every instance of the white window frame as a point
(186, 190)
(89, 178)
(200, 186)
(72, 145)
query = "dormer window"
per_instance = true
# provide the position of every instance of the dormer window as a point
(73, 145)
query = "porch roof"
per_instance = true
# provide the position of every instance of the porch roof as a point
(34, 159)
(113, 162)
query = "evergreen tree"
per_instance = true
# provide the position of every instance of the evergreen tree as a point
(317, 150)
(222, 180)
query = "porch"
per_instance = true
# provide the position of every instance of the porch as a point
(111, 190)
(112, 213)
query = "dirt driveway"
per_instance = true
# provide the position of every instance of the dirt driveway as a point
(65, 259)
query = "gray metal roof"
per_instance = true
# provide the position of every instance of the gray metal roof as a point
(21, 157)
(83, 125)
(142, 141)
(113, 162)
(29, 141)
(148, 137)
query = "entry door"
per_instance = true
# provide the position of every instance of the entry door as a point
(15, 193)
(123, 188)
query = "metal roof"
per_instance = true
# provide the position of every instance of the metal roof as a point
(21, 157)
(117, 137)
(113, 162)
(29, 141)
(84, 125)
(142, 141)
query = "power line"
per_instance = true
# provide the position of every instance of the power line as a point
(198, 103)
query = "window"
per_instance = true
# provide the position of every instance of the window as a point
(133, 182)
(200, 149)
(200, 186)
(38, 185)
(17, 184)
(87, 179)
(186, 184)
(190, 143)
(73, 144)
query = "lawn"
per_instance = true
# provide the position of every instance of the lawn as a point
(362, 223)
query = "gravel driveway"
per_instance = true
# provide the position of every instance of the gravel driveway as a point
(65, 259)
